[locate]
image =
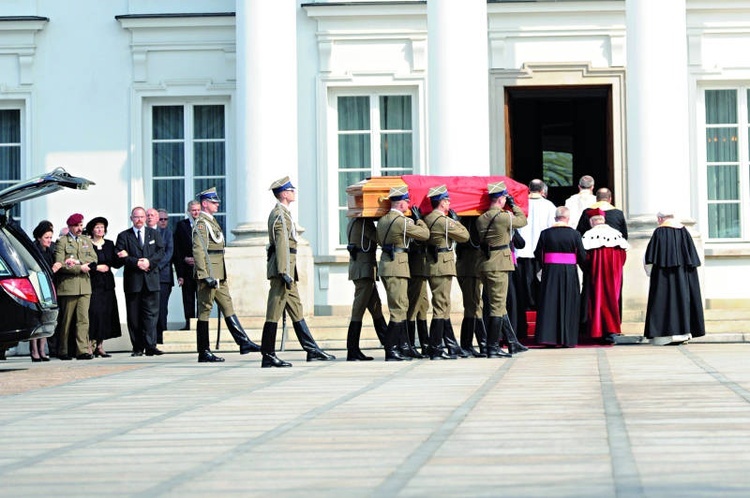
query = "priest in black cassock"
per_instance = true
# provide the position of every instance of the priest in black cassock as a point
(559, 251)
(675, 309)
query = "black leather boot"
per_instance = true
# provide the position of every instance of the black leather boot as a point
(480, 331)
(268, 347)
(449, 338)
(305, 338)
(353, 353)
(467, 336)
(493, 339)
(381, 329)
(239, 335)
(437, 331)
(424, 337)
(204, 351)
(392, 352)
(514, 346)
(402, 340)
(411, 334)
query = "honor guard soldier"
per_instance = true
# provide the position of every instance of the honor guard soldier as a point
(395, 232)
(468, 261)
(281, 270)
(211, 275)
(445, 231)
(494, 228)
(362, 244)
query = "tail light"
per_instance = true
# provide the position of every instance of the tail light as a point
(20, 288)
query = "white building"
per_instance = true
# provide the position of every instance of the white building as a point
(155, 100)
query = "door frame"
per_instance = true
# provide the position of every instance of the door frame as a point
(559, 75)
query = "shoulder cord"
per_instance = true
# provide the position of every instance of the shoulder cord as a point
(197, 233)
(447, 246)
(489, 225)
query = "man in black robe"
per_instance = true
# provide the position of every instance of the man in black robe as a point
(612, 216)
(675, 309)
(559, 250)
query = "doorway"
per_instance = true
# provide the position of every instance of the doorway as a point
(559, 134)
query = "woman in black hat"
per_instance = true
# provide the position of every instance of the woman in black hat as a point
(104, 319)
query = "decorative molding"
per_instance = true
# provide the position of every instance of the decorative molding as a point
(17, 37)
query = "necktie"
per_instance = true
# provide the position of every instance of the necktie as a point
(140, 238)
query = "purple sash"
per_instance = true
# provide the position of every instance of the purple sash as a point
(560, 258)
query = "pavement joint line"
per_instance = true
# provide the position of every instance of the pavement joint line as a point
(405, 472)
(202, 468)
(138, 425)
(625, 474)
(721, 378)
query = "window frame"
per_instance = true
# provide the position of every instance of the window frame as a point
(375, 132)
(14, 105)
(743, 161)
(188, 104)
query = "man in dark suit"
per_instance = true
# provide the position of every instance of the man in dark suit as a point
(184, 262)
(141, 250)
(158, 219)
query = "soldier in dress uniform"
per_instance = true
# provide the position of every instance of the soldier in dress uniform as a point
(362, 245)
(494, 227)
(395, 232)
(469, 258)
(281, 270)
(445, 231)
(211, 275)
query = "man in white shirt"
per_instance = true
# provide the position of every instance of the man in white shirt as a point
(585, 197)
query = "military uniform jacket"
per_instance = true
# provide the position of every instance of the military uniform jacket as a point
(468, 255)
(363, 243)
(71, 281)
(444, 232)
(396, 230)
(494, 229)
(282, 243)
(208, 248)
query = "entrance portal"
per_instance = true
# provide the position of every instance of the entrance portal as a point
(559, 134)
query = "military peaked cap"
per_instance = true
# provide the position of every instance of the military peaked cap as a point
(281, 185)
(399, 193)
(209, 195)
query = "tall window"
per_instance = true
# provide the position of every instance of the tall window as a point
(188, 156)
(10, 151)
(375, 138)
(727, 158)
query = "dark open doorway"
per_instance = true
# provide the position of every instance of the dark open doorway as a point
(559, 134)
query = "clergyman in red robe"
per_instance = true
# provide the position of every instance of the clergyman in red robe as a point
(605, 254)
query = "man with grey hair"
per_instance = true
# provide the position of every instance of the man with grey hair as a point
(577, 203)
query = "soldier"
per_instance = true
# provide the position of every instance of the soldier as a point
(494, 228)
(419, 303)
(211, 275)
(469, 259)
(75, 255)
(281, 270)
(445, 231)
(362, 238)
(395, 232)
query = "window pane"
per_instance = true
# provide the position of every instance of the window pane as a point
(395, 112)
(10, 126)
(209, 158)
(354, 113)
(723, 221)
(10, 163)
(721, 145)
(395, 150)
(169, 159)
(721, 107)
(354, 151)
(169, 194)
(209, 121)
(723, 183)
(168, 122)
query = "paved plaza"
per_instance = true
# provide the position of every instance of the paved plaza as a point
(622, 421)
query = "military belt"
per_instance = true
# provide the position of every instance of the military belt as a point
(498, 248)
(400, 249)
(215, 251)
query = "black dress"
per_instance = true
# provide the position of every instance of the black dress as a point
(557, 321)
(104, 319)
(674, 295)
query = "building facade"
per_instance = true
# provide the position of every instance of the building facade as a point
(155, 100)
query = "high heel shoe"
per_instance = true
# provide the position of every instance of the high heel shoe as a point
(35, 360)
(44, 358)
(101, 354)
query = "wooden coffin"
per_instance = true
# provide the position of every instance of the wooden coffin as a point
(369, 198)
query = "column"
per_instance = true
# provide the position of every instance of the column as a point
(266, 108)
(658, 139)
(458, 87)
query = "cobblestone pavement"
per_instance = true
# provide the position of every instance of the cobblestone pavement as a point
(587, 422)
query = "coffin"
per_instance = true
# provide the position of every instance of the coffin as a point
(369, 198)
